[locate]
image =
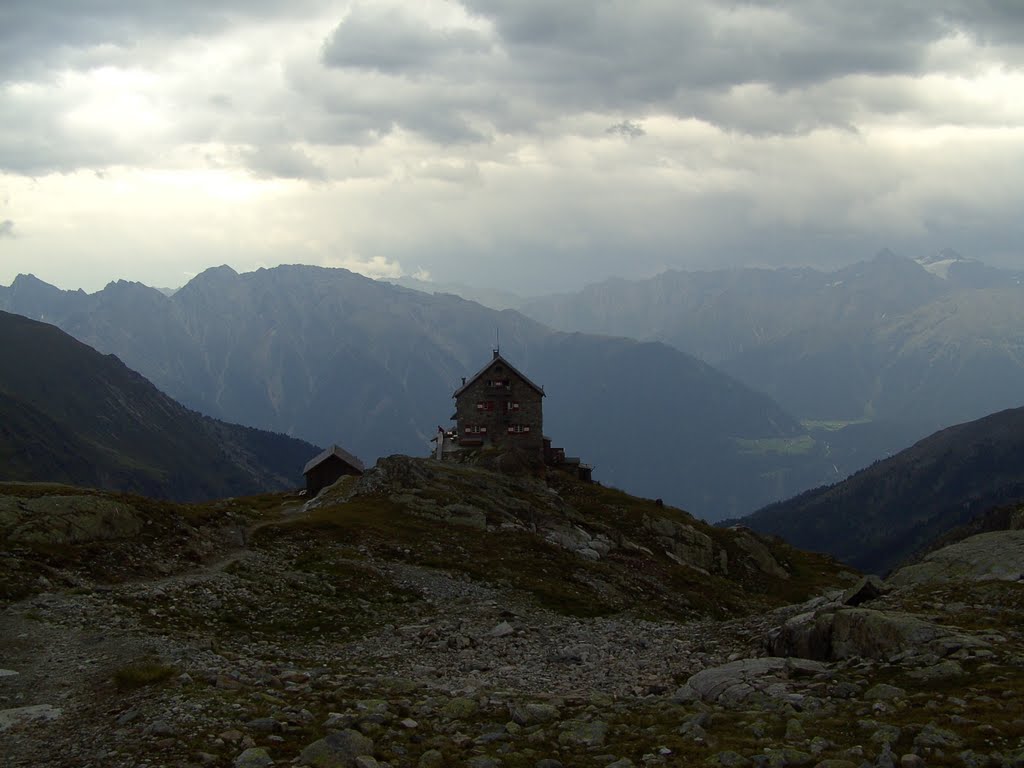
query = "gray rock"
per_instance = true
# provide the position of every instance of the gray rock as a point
(263, 725)
(760, 554)
(729, 759)
(832, 634)
(38, 713)
(995, 555)
(337, 750)
(504, 629)
(532, 713)
(868, 588)
(737, 682)
(932, 737)
(432, 758)
(160, 728)
(254, 757)
(583, 733)
(886, 734)
(884, 692)
(944, 670)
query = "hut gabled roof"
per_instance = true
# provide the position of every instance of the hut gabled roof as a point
(498, 358)
(334, 450)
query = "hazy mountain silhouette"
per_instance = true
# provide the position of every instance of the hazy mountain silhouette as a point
(907, 347)
(69, 414)
(331, 356)
(882, 515)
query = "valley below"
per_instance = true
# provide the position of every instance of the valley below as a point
(440, 615)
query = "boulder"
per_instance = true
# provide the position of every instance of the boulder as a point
(760, 555)
(868, 588)
(583, 733)
(254, 757)
(337, 750)
(684, 543)
(841, 633)
(18, 716)
(741, 681)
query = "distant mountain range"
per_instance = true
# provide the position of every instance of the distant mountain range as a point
(905, 347)
(881, 516)
(330, 356)
(71, 415)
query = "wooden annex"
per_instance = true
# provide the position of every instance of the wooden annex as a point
(328, 467)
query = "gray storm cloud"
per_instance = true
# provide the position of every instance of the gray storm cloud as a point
(521, 142)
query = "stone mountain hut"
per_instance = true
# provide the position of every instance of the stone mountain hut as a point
(499, 406)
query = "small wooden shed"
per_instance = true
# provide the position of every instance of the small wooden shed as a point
(327, 467)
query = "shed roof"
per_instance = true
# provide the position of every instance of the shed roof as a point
(334, 450)
(498, 358)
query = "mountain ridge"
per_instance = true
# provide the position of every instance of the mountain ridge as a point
(73, 415)
(337, 357)
(885, 514)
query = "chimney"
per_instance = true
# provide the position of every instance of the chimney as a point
(463, 381)
(495, 354)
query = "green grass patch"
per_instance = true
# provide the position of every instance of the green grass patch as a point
(785, 446)
(142, 673)
(831, 425)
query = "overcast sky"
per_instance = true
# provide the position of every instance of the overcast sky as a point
(528, 144)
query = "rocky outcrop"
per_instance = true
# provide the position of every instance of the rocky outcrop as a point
(360, 635)
(834, 633)
(997, 555)
(760, 554)
(685, 544)
(748, 681)
(66, 519)
(468, 495)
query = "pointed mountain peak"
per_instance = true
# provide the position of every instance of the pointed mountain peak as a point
(32, 285)
(214, 277)
(24, 280)
(885, 255)
(219, 273)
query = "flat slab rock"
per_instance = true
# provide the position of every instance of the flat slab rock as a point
(996, 555)
(39, 713)
(737, 682)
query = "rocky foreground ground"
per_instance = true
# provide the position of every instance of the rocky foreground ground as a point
(332, 633)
